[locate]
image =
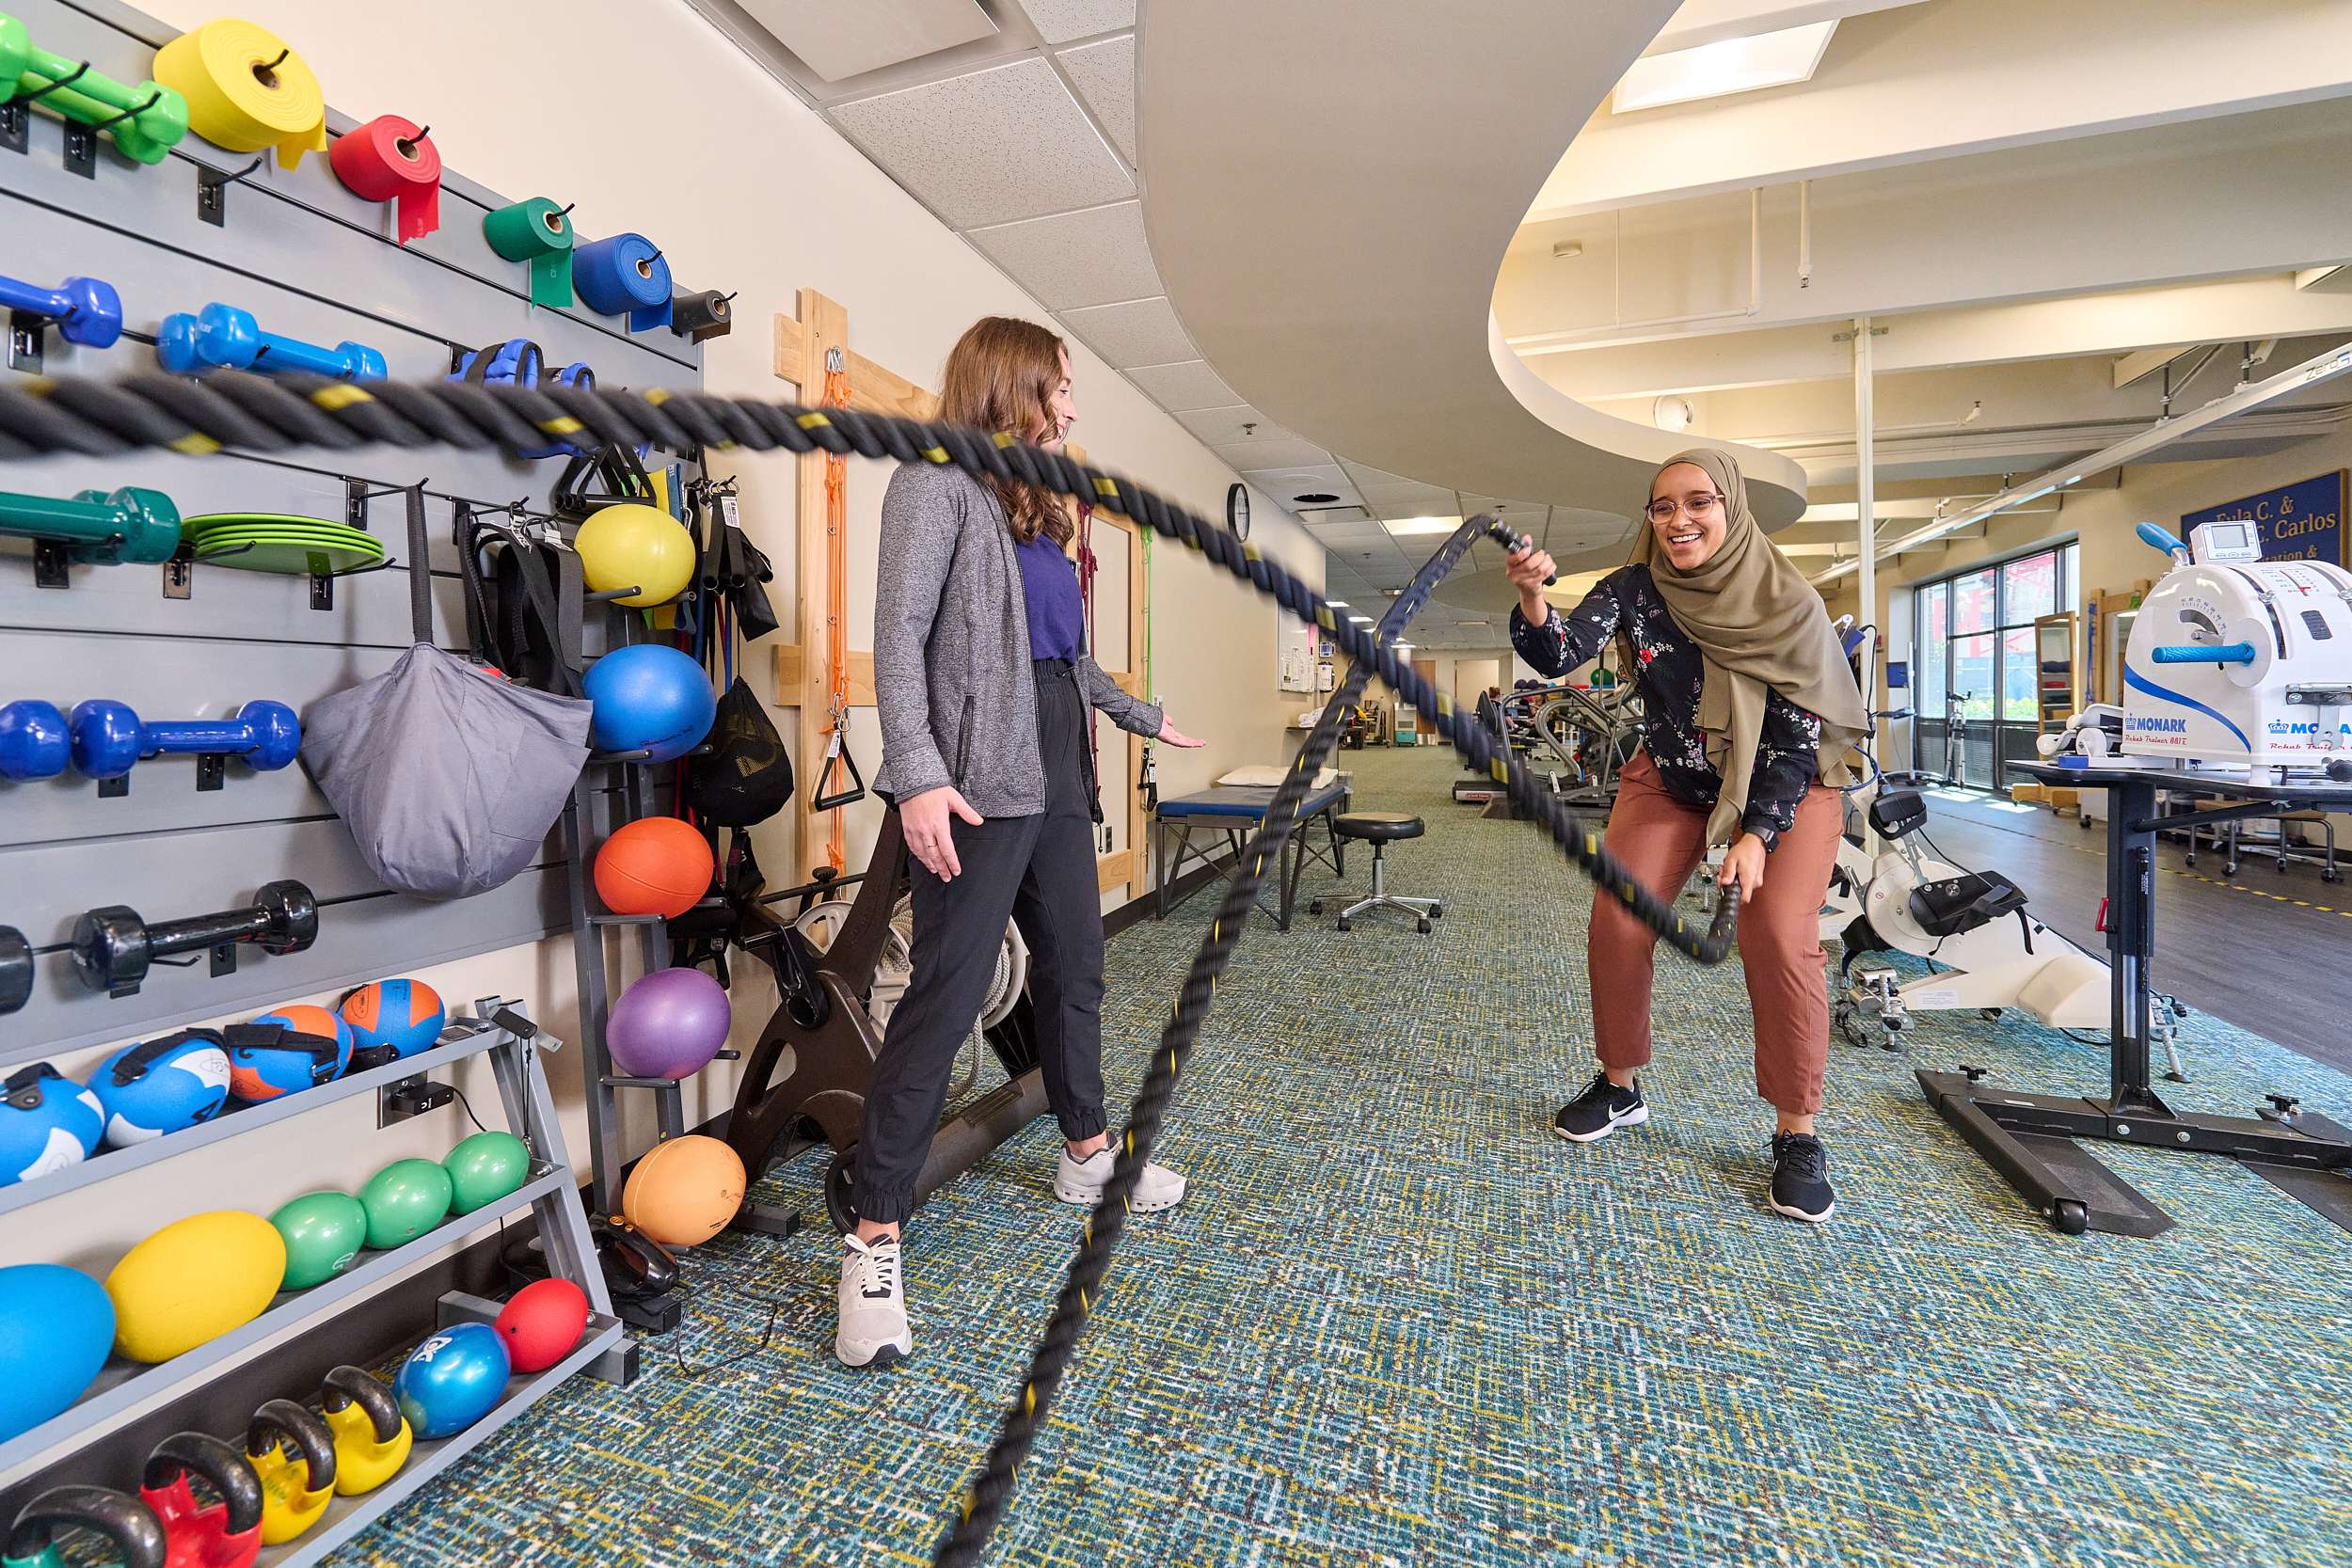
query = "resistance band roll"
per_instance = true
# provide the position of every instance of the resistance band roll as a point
(247, 90)
(540, 232)
(624, 272)
(389, 159)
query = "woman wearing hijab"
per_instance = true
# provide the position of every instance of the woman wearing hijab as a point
(1749, 711)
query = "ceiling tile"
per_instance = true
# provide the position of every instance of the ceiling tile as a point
(1221, 426)
(1139, 332)
(1287, 451)
(1183, 388)
(837, 42)
(997, 145)
(1320, 517)
(1059, 20)
(1363, 473)
(1106, 76)
(1404, 499)
(1095, 256)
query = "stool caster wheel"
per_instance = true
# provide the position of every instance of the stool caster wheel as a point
(1437, 912)
(1314, 907)
(1422, 926)
(2068, 1217)
(2331, 875)
(1343, 924)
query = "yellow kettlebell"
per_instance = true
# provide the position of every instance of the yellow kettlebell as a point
(293, 1453)
(372, 1436)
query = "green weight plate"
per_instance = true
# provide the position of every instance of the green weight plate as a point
(196, 527)
(290, 560)
(221, 538)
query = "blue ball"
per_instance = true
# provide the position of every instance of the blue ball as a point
(391, 1018)
(47, 1123)
(258, 1072)
(159, 1086)
(57, 1327)
(649, 697)
(452, 1380)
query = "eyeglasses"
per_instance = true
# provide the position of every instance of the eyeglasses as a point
(1664, 507)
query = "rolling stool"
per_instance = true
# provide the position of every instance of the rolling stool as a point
(1381, 829)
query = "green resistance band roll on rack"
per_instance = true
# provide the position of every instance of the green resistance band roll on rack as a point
(103, 418)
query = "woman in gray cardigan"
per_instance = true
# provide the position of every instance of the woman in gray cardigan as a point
(985, 688)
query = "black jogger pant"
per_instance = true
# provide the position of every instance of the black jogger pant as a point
(1040, 871)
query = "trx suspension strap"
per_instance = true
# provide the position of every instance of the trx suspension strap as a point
(837, 757)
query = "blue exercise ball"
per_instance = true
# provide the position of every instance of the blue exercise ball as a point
(650, 697)
(452, 1380)
(47, 1122)
(57, 1327)
(161, 1085)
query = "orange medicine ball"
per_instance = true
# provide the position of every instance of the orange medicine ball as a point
(654, 866)
(684, 1191)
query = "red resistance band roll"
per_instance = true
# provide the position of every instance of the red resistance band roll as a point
(390, 159)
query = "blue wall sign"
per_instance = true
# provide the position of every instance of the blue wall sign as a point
(2296, 522)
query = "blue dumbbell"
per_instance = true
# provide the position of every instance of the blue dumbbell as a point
(85, 311)
(223, 337)
(108, 738)
(32, 741)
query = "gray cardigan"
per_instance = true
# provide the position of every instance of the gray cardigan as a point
(951, 650)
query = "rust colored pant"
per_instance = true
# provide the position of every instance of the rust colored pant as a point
(1661, 842)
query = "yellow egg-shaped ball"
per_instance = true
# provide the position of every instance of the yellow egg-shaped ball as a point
(193, 1281)
(637, 546)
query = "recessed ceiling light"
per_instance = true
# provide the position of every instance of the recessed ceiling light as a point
(1477, 622)
(1336, 604)
(1315, 497)
(1775, 59)
(1361, 620)
(1671, 413)
(1402, 526)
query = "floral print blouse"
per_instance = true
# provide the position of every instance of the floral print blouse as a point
(1668, 674)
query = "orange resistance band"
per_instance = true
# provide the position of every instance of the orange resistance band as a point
(837, 592)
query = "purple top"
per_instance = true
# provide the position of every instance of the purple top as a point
(1049, 591)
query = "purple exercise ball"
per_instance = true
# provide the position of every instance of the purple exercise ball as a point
(668, 1024)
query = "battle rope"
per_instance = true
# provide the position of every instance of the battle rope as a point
(40, 416)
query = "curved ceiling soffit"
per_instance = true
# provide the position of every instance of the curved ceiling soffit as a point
(1329, 186)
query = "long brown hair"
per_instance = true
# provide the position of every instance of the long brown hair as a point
(1002, 376)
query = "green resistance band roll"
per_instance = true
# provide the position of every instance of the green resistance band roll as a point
(540, 232)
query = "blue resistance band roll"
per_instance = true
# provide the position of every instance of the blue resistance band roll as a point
(624, 272)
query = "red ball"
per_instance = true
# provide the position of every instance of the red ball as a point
(542, 1322)
(654, 866)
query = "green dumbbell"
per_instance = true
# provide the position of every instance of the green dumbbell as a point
(98, 530)
(147, 120)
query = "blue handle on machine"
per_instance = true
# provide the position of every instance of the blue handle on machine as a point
(2203, 652)
(86, 310)
(222, 336)
(624, 272)
(2161, 537)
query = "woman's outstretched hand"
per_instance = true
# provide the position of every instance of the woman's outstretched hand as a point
(1175, 736)
(926, 820)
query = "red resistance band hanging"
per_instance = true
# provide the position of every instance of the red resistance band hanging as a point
(828, 798)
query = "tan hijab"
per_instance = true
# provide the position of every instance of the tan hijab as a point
(1760, 627)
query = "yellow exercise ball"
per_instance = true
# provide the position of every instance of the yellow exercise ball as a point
(195, 1280)
(637, 546)
(684, 1191)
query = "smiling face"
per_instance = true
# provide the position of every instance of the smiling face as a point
(1686, 511)
(1062, 405)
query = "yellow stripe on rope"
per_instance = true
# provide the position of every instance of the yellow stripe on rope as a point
(564, 426)
(341, 395)
(937, 454)
(1029, 1398)
(1501, 774)
(657, 396)
(1106, 486)
(812, 420)
(1004, 439)
(1324, 619)
(195, 444)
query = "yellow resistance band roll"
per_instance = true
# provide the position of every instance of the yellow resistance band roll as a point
(247, 90)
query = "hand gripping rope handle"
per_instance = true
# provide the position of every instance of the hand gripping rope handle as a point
(40, 416)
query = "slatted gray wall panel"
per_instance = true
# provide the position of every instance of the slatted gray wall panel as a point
(310, 261)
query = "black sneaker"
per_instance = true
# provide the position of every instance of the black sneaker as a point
(1600, 1110)
(1800, 1177)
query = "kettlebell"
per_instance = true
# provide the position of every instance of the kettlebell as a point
(226, 1534)
(32, 1539)
(296, 1486)
(372, 1436)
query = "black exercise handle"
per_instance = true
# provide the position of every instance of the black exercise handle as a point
(1502, 533)
(283, 918)
(283, 1420)
(16, 969)
(117, 1515)
(201, 1453)
(133, 1063)
(349, 1386)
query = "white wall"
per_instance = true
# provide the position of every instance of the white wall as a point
(673, 133)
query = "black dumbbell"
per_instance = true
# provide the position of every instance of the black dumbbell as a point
(113, 946)
(16, 969)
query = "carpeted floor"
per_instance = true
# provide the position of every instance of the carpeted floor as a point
(1398, 1322)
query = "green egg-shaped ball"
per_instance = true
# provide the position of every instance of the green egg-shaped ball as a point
(403, 1200)
(324, 1233)
(485, 1168)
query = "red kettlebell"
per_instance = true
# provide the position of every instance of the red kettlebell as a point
(226, 1534)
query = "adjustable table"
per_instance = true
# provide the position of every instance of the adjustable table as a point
(1235, 812)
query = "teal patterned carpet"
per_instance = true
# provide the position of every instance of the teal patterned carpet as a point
(1398, 1322)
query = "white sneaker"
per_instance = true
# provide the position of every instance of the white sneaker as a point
(873, 1329)
(1083, 1181)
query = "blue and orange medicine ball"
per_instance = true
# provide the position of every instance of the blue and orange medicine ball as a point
(650, 697)
(47, 1122)
(283, 1052)
(391, 1018)
(166, 1084)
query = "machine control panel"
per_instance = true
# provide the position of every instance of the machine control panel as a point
(2225, 544)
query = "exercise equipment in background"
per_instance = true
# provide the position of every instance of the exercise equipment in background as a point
(47, 1122)
(57, 1328)
(648, 698)
(702, 315)
(271, 541)
(166, 1084)
(324, 1232)
(247, 90)
(641, 555)
(520, 362)
(623, 274)
(485, 1168)
(540, 232)
(654, 866)
(222, 337)
(391, 1018)
(112, 948)
(541, 1322)
(223, 1534)
(285, 1050)
(392, 159)
(85, 312)
(145, 121)
(293, 1454)
(93, 528)
(452, 1379)
(372, 1436)
(668, 1023)
(193, 1281)
(34, 740)
(121, 1519)
(403, 1200)
(108, 739)
(685, 1189)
